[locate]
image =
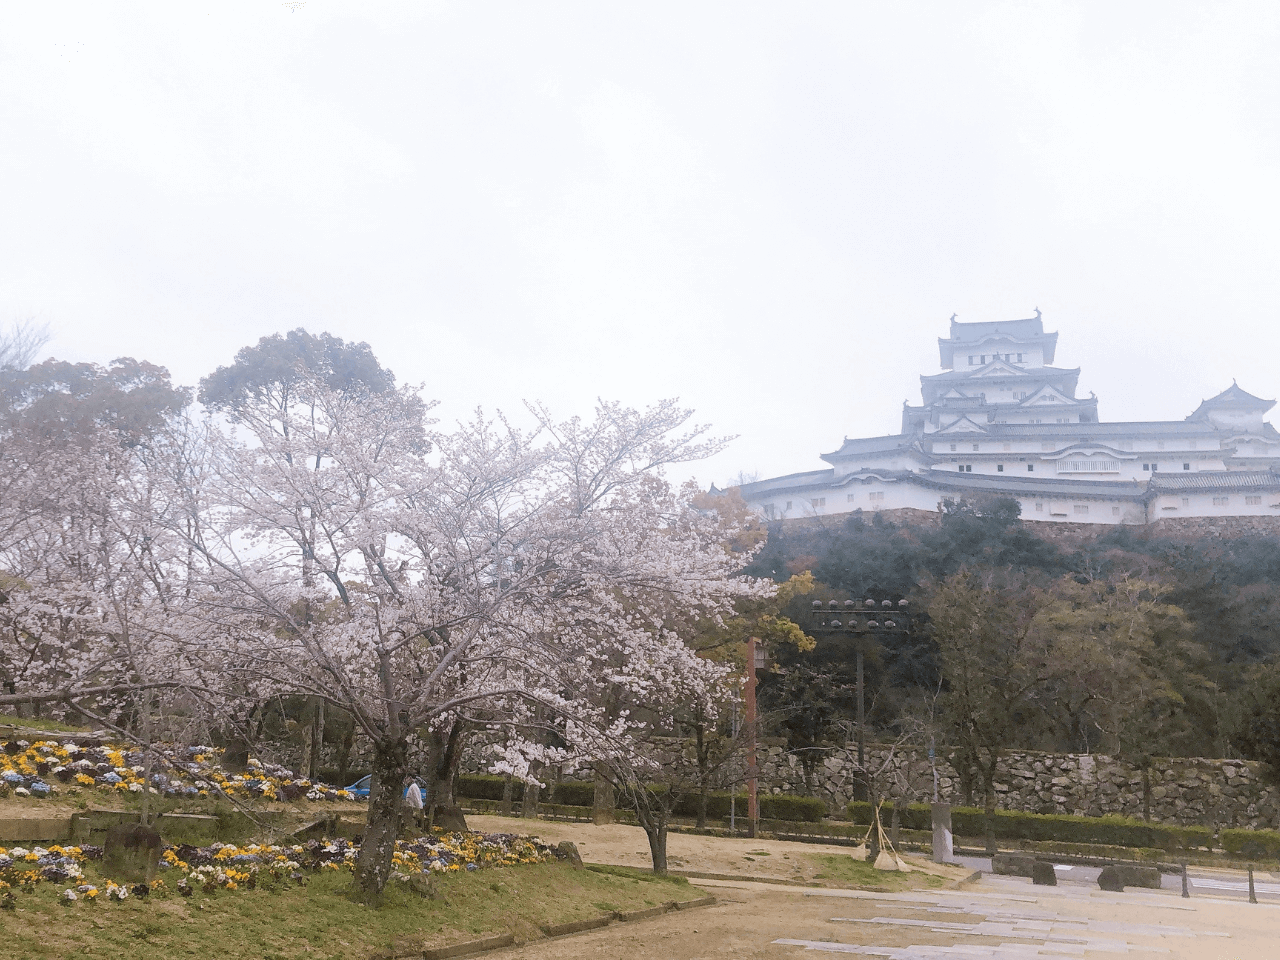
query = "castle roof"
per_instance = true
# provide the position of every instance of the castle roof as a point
(1086, 431)
(791, 482)
(1232, 398)
(889, 444)
(1216, 480)
(1019, 373)
(1026, 331)
(1014, 485)
(972, 332)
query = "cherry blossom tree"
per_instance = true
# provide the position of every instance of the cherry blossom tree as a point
(325, 541)
(87, 573)
(413, 577)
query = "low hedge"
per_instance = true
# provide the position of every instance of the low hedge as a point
(487, 786)
(1016, 825)
(1251, 843)
(773, 806)
(575, 793)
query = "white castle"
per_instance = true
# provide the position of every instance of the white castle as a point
(1000, 419)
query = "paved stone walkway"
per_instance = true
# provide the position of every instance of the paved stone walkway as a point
(1011, 924)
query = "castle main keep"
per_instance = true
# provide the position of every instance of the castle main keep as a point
(1001, 420)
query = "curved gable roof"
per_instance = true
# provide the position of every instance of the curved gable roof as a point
(1232, 398)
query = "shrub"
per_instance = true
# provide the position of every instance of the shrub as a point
(486, 786)
(784, 806)
(913, 816)
(577, 793)
(773, 806)
(1252, 843)
(1015, 825)
(573, 793)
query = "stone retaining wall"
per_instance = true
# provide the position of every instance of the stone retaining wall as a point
(1220, 793)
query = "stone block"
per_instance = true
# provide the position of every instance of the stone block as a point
(568, 850)
(30, 829)
(1109, 880)
(1116, 876)
(1012, 864)
(1043, 874)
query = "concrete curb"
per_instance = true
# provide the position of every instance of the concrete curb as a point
(575, 926)
(964, 881)
(471, 946)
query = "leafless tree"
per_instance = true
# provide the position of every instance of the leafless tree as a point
(20, 344)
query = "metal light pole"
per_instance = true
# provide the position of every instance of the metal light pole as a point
(859, 619)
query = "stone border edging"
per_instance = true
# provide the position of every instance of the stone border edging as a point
(471, 946)
(550, 931)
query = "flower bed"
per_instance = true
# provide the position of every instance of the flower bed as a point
(37, 769)
(270, 866)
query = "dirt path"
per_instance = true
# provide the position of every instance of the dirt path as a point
(730, 856)
(1002, 918)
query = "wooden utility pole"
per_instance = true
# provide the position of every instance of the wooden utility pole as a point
(753, 772)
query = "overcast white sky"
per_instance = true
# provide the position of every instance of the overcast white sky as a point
(768, 210)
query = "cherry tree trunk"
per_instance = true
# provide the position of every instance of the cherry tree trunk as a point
(373, 867)
(657, 835)
(989, 809)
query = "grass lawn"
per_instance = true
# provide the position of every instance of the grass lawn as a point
(838, 871)
(318, 921)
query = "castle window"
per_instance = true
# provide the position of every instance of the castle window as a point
(849, 498)
(1039, 506)
(1186, 501)
(788, 504)
(1155, 467)
(999, 468)
(1146, 466)
(984, 359)
(1186, 466)
(1082, 508)
(1031, 468)
(965, 468)
(1222, 501)
(953, 448)
(768, 510)
(876, 496)
(1115, 511)
(1019, 358)
(975, 448)
(1255, 501)
(971, 361)
(819, 501)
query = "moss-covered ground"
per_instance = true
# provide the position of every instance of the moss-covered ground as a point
(840, 871)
